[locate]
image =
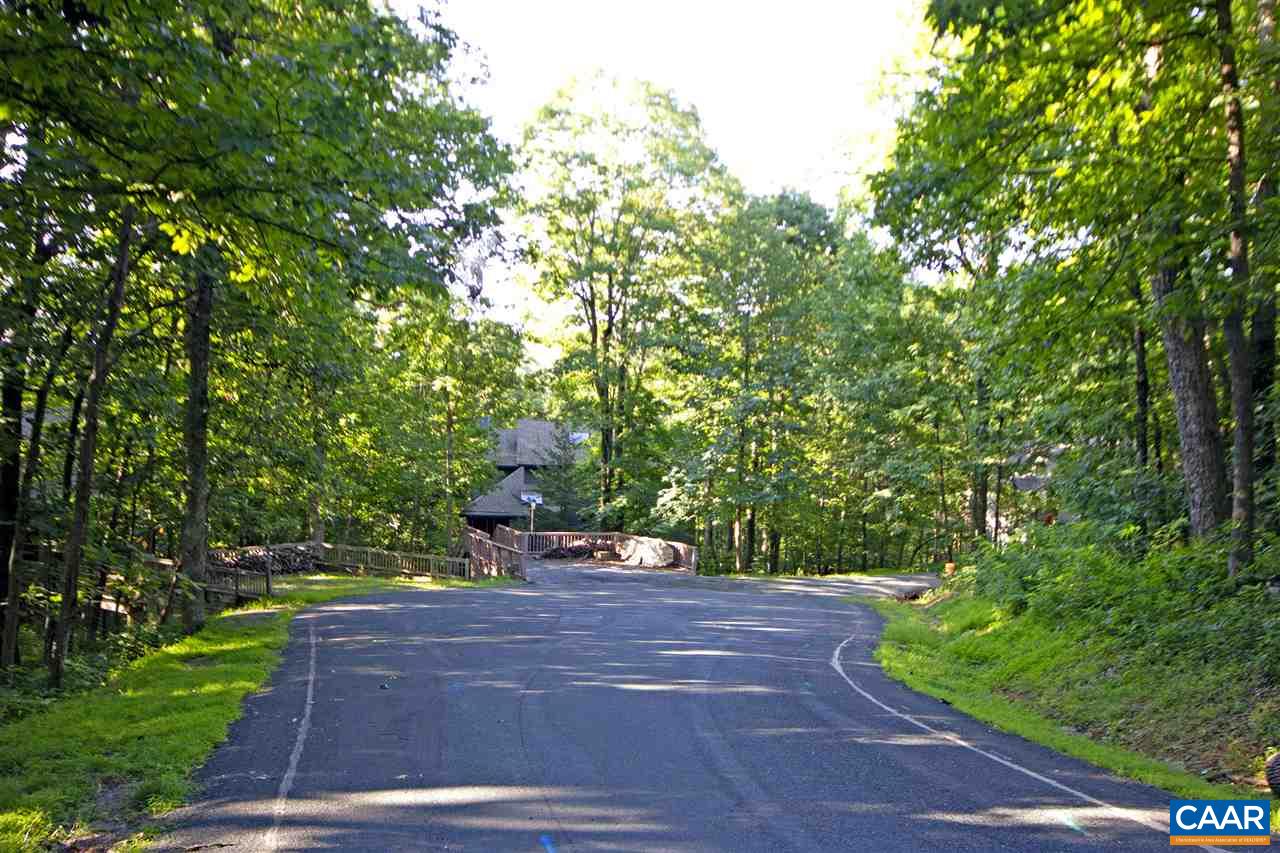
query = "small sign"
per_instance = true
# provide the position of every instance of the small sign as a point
(1220, 822)
(532, 498)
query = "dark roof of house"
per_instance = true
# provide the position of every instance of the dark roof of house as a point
(503, 500)
(532, 442)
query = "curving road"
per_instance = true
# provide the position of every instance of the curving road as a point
(609, 709)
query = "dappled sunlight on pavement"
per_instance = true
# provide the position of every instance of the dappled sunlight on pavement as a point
(609, 708)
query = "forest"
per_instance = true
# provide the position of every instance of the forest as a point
(246, 247)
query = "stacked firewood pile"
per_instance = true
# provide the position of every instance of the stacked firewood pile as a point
(281, 559)
(569, 552)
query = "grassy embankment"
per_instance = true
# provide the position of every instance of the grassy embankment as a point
(1177, 719)
(834, 576)
(128, 749)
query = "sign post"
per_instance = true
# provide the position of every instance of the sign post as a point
(533, 499)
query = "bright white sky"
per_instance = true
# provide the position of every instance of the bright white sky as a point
(790, 94)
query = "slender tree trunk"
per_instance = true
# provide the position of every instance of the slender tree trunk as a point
(751, 538)
(981, 474)
(995, 528)
(73, 437)
(450, 511)
(921, 538)
(840, 536)
(97, 383)
(11, 448)
(1238, 346)
(944, 531)
(315, 499)
(122, 467)
(195, 526)
(739, 555)
(1141, 381)
(1157, 443)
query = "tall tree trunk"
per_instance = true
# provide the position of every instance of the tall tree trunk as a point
(1157, 443)
(11, 448)
(1194, 401)
(944, 531)
(73, 437)
(450, 510)
(195, 526)
(12, 387)
(1238, 346)
(739, 555)
(104, 569)
(315, 498)
(840, 536)
(97, 384)
(1262, 332)
(1141, 381)
(13, 602)
(981, 474)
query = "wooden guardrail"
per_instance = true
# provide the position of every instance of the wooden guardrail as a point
(390, 562)
(537, 544)
(243, 584)
(490, 559)
(504, 535)
(540, 543)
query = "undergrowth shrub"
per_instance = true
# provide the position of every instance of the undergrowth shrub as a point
(25, 690)
(1175, 600)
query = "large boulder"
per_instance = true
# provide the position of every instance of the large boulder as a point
(644, 551)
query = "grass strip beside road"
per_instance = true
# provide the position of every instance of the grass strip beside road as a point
(965, 653)
(113, 754)
(835, 576)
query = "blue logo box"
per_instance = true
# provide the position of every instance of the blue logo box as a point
(1221, 822)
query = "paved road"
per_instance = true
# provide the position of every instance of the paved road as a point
(607, 709)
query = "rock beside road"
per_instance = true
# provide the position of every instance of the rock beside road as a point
(645, 551)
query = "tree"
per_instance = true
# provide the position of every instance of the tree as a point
(610, 194)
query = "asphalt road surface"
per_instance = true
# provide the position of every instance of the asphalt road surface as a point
(610, 709)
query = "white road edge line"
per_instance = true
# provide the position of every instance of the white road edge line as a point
(282, 795)
(1127, 814)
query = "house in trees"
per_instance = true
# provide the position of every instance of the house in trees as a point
(528, 457)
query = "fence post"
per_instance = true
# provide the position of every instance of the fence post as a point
(269, 593)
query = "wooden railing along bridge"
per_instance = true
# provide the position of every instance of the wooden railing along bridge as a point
(538, 543)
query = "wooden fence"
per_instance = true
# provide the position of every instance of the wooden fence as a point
(376, 561)
(504, 535)
(242, 584)
(489, 558)
(686, 555)
(540, 543)
(537, 544)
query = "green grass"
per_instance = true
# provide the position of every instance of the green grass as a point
(834, 577)
(129, 748)
(1170, 724)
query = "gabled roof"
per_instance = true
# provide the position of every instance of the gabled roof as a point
(503, 500)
